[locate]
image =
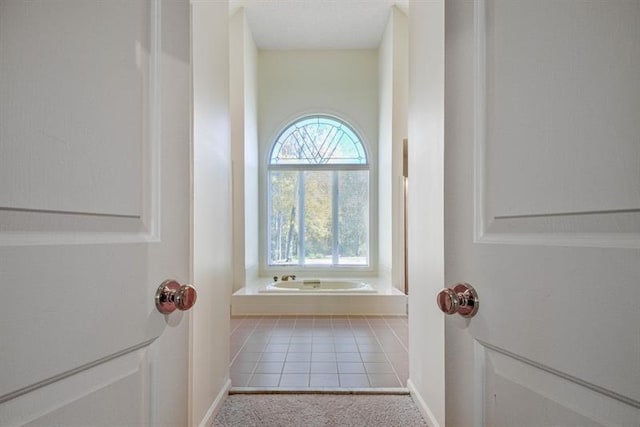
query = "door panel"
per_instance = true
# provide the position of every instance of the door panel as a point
(520, 394)
(561, 107)
(79, 400)
(548, 123)
(560, 151)
(103, 78)
(84, 117)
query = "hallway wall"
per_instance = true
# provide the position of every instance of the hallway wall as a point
(426, 205)
(393, 63)
(211, 233)
(243, 84)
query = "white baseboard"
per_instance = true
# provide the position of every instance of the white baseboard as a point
(207, 420)
(422, 405)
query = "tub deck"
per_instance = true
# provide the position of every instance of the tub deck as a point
(250, 301)
(321, 286)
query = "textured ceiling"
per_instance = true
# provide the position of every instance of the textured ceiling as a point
(317, 24)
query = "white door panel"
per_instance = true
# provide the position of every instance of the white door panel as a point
(557, 111)
(73, 157)
(561, 107)
(542, 211)
(88, 397)
(520, 394)
(94, 126)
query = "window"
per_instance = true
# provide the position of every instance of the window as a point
(318, 206)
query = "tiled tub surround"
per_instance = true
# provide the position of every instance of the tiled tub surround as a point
(252, 300)
(319, 352)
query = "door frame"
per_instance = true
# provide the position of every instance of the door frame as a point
(426, 207)
(428, 394)
(210, 222)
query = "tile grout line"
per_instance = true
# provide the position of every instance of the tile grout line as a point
(242, 319)
(287, 354)
(320, 322)
(383, 351)
(360, 352)
(263, 350)
(245, 343)
(397, 337)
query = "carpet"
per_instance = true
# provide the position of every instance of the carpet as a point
(316, 410)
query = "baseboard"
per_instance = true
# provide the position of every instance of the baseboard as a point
(422, 405)
(398, 391)
(207, 420)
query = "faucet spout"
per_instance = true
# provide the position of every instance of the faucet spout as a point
(286, 277)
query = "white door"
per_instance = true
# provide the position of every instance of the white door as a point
(94, 211)
(542, 212)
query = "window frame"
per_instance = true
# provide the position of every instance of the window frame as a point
(329, 269)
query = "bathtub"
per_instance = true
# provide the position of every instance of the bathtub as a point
(323, 296)
(319, 286)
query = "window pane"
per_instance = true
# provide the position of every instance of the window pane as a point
(321, 222)
(318, 140)
(353, 212)
(318, 235)
(283, 217)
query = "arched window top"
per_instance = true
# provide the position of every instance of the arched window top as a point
(318, 140)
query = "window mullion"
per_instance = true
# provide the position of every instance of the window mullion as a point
(335, 217)
(301, 216)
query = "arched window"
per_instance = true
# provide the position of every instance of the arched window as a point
(318, 178)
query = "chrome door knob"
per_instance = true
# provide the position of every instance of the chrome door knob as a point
(171, 295)
(461, 299)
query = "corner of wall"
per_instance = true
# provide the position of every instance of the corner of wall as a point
(422, 405)
(251, 157)
(393, 129)
(213, 410)
(385, 136)
(236, 102)
(384, 273)
(244, 141)
(251, 273)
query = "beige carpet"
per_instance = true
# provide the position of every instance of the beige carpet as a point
(315, 410)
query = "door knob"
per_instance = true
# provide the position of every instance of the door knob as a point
(461, 299)
(171, 295)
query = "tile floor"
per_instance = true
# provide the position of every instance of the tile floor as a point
(309, 352)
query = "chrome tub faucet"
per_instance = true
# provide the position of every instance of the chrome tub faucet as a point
(286, 277)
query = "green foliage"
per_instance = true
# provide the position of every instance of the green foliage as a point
(352, 195)
(353, 213)
(283, 225)
(318, 215)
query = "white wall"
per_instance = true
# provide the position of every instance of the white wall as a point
(385, 147)
(243, 84)
(211, 234)
(295, 83)
(251, 156)
(393, 89)
(426, 206)
(459, 131)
